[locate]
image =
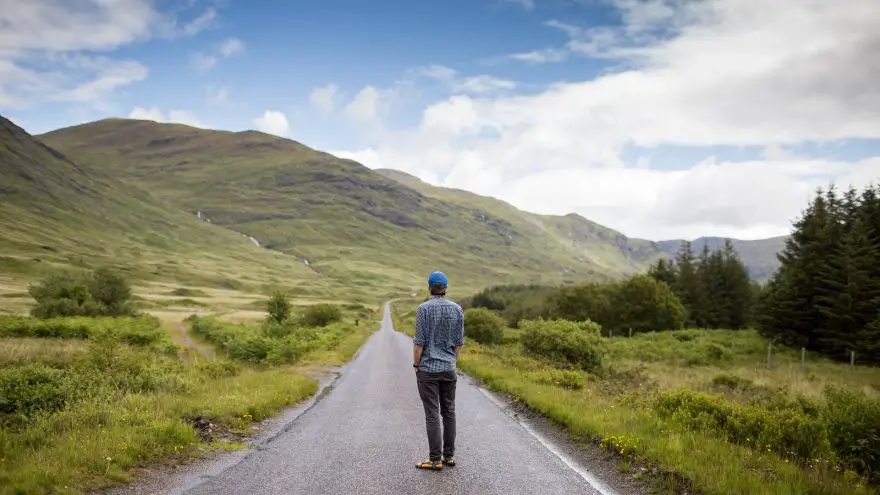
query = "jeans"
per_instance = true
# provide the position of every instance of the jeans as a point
(437, 391)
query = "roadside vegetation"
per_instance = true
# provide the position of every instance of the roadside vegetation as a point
(91, 388)
(667, 371)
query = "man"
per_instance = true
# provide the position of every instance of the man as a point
(438, 340)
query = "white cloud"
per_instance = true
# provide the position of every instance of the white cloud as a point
(228, 48)
(541, 56)
(324, 97)
(484, 84)
(701, 74)
(364, 107)
(174, 116)
(436, 71)
(44, 47)
(232, 46)
(273, 122)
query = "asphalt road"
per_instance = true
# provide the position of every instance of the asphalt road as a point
(367, 433)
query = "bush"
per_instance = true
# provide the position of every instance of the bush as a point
(574, 343)
(570, 379)
(788, 432)
(31, 388)
(65, 294)
(278, 308)
(321, 315)
(854, 429)
(484, 326)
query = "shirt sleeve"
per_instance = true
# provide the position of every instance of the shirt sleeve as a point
(421, 324)
(459, 334)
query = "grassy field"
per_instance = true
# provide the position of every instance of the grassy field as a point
(700, 406)
(86, 401)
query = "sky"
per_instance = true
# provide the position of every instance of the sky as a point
(662, 119)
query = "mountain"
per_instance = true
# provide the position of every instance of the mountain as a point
(56, 212)
(759, 255)
(349, 221)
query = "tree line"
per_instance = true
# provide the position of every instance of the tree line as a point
(826, 294)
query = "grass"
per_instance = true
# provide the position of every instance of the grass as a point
(89, 401)
(619, 407)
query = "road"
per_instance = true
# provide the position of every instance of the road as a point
(367, 433)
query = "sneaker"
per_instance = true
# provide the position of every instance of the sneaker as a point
(449, 461)
(429, 464)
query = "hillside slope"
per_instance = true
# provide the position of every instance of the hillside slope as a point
(54, 212)
(346, 219)
(598, 243)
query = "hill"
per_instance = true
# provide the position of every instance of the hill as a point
(595, 241)
(350, 222)
(56, 212)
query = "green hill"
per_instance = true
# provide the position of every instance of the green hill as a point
(350, 222)
(56, 212)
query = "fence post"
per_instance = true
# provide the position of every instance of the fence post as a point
(852, 358)
(803, 356)
(769, 355)
(630, 331)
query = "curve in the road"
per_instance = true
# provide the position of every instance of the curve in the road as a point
(367, 433)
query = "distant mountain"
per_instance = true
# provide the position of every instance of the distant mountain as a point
(759, 255)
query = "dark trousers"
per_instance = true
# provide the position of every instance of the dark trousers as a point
(437, 391)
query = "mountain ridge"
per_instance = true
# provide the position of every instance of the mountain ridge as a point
(371, 226)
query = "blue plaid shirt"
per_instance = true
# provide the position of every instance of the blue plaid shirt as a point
(439, 329)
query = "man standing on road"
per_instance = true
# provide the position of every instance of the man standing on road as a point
(438, 340)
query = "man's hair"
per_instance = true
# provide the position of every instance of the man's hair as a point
(437, 290)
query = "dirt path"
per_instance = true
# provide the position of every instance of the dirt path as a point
(188, 342)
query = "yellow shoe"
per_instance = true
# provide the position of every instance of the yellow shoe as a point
(429, 464)
(449, 461)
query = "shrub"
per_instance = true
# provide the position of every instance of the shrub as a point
(854, 429)
(278, 308)
(574, 343)
(65, 294)
(32, 388)
(484, 326)
(321, 315)
(570, 379)
(788, 432)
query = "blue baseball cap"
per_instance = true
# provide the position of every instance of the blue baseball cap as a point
(438, 278)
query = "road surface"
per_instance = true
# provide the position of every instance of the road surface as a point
(367, 433)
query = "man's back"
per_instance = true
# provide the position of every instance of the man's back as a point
(439, 329)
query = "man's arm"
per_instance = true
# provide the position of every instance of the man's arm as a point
(419, 338)
(459, 336)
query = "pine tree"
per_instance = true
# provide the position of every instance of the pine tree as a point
(738, 288)
(789, 309)
(664, 271)
(687, 287)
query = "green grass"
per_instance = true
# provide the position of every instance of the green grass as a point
(618, 407)
(88, 400)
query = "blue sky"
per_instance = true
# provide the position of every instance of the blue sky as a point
(630, 112)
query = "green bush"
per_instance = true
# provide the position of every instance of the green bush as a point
(273, 343)
(321, 315)
(278, 308)
(484, 326)
(854, 429)
(578, 344)
(32, 388)
(102, 293)
(788, 432)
